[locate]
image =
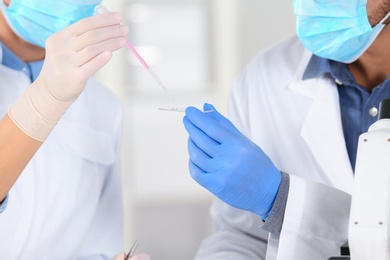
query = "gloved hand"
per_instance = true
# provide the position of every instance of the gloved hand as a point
(73, 55)
(141, 256)
(228, 164)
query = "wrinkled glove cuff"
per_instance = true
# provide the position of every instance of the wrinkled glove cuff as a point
(37, 111)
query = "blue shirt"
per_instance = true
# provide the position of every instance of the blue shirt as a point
(10, 60)
(358, 106)
(31, 69)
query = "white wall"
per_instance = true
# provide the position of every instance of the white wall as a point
(165, 209)
(263, 23)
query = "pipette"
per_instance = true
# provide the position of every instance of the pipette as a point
(99, 9)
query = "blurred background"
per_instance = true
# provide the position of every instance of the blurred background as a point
(196, 47)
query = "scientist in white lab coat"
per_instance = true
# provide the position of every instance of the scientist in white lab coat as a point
(60, 192)
(282, 168)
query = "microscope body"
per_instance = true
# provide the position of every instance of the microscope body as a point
(369, 223)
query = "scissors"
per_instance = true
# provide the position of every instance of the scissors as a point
(132, 250)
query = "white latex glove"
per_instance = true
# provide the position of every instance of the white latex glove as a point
(79, 51)
(73, 55)
(141, 256)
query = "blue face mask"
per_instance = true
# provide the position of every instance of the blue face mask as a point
(335, 29)
(35, 20)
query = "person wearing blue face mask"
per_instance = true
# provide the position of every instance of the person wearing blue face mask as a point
(282, 166)
(60, 132)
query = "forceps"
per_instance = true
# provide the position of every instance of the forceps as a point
(132, 250)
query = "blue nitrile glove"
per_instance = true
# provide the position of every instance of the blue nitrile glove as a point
(228, 164)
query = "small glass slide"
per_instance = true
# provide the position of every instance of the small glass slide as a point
(179, 109)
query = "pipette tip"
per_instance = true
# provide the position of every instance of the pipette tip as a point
(154, 76)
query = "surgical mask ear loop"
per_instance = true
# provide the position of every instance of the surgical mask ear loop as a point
(385, 18)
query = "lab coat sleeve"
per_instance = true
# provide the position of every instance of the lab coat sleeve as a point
(237, 235)
(316, 219)
(3, 204)
(105, 238)
(240, 234)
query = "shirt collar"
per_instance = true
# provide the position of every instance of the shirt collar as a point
(10, 60)
(318, 66)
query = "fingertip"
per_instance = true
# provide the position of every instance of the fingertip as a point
(186, 110)
(115, 16)
(207, 107)
(106, 55)
(190, 109)
(186, 120)
(109, 17)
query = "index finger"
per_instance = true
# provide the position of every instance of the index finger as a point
(94, 22)
(219, 117)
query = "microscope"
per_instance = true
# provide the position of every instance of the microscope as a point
(369, 224)
(369, 227)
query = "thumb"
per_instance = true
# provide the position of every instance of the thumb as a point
(219, 117)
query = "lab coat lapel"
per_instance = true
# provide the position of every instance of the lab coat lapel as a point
(322, 128)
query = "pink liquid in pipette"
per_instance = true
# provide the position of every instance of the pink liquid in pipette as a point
(146, 66)
(137, 55)
(99, 9)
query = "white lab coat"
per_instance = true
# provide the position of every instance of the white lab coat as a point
(67, 202)
(297, 123)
